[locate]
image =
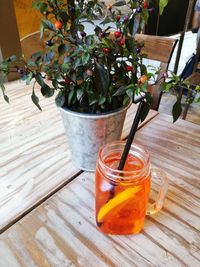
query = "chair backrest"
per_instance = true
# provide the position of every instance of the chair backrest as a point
(31, 44)
(28, 19)
(160, 49)
(196, 63)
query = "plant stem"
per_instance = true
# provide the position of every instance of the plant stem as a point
(71, 4)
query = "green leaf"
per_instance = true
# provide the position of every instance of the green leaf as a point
(98, 30)
(197, 88)
(4, 67)
(64, 17)
(49, 56)
(101, 100)
(149, 98)
(162, 5)
(145, 16)
(119, 3)
(29, 78)
(6, 98)
(143, 70)
(31, 63)
(60, 100)
(79, 94)
(168, 87)
(102, 79)
(3, 91)
(47, 24)
(197, 100)
(190, 100)
(13, 58)
(130, 86)
(80, 27)
(88, 40)
(70, 96)
(65, 67)
(129, 92)
(126, 100)
(55, 84)
(42, 28)
(177, 109)
(43, 7)
(131, 24)
(39, 79)
(92, 102)
(120, 91)
(130, 44)
(36, 4)
(67, 60)
(35, 100)
(47, 91)
(62, 83)
(85, 58)
(37, 55)
(77, 62)
(106, 20)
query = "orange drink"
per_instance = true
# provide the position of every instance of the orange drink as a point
(122, 196)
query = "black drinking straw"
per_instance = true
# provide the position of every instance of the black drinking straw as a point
(131, 135)
(128, 144)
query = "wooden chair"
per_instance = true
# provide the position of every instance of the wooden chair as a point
(32, 43)
(28, 19)
(160, 49)
(194, 80)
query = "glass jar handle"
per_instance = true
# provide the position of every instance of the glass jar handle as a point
(159, 175)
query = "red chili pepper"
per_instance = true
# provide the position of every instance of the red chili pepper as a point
(122, 41)
(117, 34)
(129, 68)
(145, 5)
(67, 80)
(118, 18)
(106, 50)
(143, 79)
(58, 24)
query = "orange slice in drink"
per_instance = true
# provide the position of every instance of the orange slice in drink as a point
(116, 201)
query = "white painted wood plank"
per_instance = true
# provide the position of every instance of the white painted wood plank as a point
(130, 117)
(62, 230)
(34, 152)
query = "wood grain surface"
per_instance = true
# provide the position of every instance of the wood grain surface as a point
(28, 19)
(130, 117)
(34, 154)
(62, 231)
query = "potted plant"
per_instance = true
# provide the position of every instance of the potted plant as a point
(94, 76)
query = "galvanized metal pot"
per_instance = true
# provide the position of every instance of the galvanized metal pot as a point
(87, 132)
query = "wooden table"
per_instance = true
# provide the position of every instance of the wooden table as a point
(35, 161)
(61, 231)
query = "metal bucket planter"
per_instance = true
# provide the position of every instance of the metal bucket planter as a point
(87, 132)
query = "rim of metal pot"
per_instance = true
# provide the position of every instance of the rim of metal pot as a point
(90, 115)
